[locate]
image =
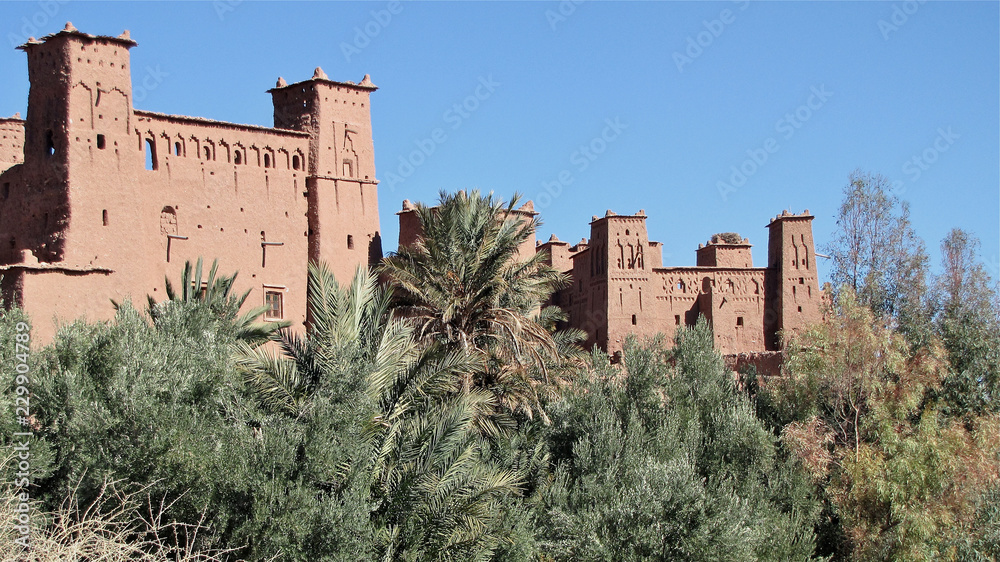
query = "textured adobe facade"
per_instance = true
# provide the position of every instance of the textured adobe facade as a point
(100, 201)
(620, 286)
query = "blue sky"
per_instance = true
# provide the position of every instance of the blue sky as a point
(591, 106)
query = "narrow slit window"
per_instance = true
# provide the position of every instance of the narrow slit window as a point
(739, 320)
(151, 163)
(677, 319)
(208, 153)
(177, 149)
(104, 217)
(50, 144)
(295, 162)
(100, 142)
(267, 160)
(350, 242)
(237, 157)
(634, 320)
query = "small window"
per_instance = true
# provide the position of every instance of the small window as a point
(100, 142)
(50, 144)
(104, 217)
(350, 242)
(800, 309)
(295, 162)
(151, 163)
(739, 320)
(237, 157)
(633, 320)
(273, 301)
(677, 319)
(267, 160)
(802, 280)
(208, 153)
(177, 149)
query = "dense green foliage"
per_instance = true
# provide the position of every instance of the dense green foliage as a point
(664, 459)
(440, 416)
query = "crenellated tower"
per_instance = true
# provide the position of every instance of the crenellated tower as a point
(77, 131)
(793, 284)
(341, 185)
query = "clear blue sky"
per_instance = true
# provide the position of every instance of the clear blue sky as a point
(690, 88)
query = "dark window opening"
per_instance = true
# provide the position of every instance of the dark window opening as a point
(350, 242)
(739, 320)
(677, 319)
(208, 153)
(50, 144)
(273, 301)
(633, 320)
(151, 163)
(267, 160)
(100, 142)
(802, 280)
(177, 149)
(237, 157)
(104, 217)
(800, 309)
(295, 162)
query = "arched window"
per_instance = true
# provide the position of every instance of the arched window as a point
(208, 153)
(267, 160)
(177, 149)
(295, 162)
(237, 157)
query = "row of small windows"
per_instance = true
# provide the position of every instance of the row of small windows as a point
(237, 155)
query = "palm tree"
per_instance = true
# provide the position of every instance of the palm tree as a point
(463, 284)
(433, 491)
(216, 293)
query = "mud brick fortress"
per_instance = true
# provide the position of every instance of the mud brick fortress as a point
(620, 287)
(101, 201)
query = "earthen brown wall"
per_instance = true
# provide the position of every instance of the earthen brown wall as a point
(110, 200)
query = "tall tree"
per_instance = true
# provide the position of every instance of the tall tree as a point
(968, 322)
(878, 256)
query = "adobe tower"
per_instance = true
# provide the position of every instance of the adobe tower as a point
(101, 201)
